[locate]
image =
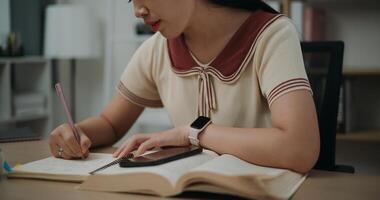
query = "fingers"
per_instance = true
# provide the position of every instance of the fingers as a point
(53, 147)
(56, 142)
(54, 150)
(148, 144)
(144, 142)
(85, 146)
(69, 141)
(85, 143)
(86, 154)
(130, 145)
(64, 137)
(66, 149)
(65, 154)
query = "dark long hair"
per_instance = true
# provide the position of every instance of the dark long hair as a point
(250, 5)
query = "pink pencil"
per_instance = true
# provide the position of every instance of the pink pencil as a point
(59, 90)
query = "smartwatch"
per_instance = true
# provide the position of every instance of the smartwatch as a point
(196, 128)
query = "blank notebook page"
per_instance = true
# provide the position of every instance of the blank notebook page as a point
(54, 165)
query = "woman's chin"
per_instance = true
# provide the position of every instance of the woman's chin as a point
(169, 35)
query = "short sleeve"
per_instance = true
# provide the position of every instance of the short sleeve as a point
(279, 65)
(137, 83)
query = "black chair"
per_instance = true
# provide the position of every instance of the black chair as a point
(323, 63)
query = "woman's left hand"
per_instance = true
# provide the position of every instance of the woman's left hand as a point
(143, 142)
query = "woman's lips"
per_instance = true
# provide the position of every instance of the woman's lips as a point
(154, 25)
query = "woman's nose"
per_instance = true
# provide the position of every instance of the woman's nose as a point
(141, 11)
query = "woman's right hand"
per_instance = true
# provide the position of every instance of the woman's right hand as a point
(63, 144)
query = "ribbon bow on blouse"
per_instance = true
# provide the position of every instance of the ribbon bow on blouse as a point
(206, 92)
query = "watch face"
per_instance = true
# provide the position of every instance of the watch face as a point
(200, 122)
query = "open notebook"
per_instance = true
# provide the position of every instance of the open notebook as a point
(204, 172)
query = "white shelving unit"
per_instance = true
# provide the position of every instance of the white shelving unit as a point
(25, 75)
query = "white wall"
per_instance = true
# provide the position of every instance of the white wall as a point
(4, 20)
(58, 113)
(359, 27)
(357, 23)
(89, 74)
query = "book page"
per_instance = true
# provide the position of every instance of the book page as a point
(52, 165)
(232, 166)
(171, 170)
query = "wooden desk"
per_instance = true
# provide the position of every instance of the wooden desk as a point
(319, 185)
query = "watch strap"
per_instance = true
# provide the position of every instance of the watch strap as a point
(193, 136)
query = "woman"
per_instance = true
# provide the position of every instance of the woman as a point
(237, 62)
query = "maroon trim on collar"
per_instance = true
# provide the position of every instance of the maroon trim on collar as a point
(179, 54)
(232, 55)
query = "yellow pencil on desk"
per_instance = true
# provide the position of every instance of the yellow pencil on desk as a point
(17, 165)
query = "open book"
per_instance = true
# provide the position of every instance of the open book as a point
(206, 172)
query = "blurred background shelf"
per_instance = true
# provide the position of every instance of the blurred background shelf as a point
(361, 71)
(25, 103)
(25, 118)
(360, 136)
